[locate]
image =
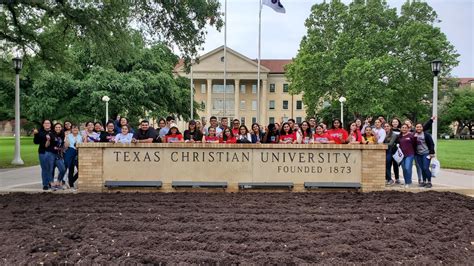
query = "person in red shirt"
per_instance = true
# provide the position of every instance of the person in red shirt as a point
(174, 136)
(235, 127)
(322, 137)
(227, 136)
(287, 136)
(337, 132)
(211, 136)
(355, 137)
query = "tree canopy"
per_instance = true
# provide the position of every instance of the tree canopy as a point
(460, 108)
(378, 59)
(75, 52)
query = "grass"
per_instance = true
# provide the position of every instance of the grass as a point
(454, 154)
(29, 152)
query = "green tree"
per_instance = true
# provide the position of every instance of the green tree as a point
(379, 60)
(460, 108)
(45, 28)
(139, 87)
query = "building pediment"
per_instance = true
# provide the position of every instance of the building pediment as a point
(214, 62)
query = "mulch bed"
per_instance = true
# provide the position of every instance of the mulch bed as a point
(330, 228)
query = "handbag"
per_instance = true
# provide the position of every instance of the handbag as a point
(398, 156)
(435, 166)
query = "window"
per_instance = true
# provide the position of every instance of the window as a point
(299, 105)
(242, 120)
(272, 87)
(242, 88)
(272, 105)
(254, 88)
(271, 120)
(254, 120)
(298, 120)
(203, 88)
(219, 88)
(218, 104)
(285, 87)
(285, 105)
(254, 105)
(242, 105)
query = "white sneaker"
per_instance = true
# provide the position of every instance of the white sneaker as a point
(407, 185)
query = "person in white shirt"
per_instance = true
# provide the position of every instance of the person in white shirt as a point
(124, 136)
(244, 135)
(379, 131)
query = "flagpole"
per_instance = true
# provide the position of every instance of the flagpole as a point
(225, 54)
(258, 60)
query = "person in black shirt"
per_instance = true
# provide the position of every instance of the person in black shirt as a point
(109, 134)
(192, 134)
(46, 152)
(145, 134)
(57, 144)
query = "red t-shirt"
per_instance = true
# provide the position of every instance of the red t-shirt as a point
(229, 140)
(357, 136)
(213, 139)
(235, 131)
(337, 134)
(173, 138)
(323, 138)
(290, 138)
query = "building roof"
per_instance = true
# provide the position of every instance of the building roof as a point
(465, 81)
(275, 65)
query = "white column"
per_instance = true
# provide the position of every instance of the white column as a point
(237, 98)
(263, 106)
(434, 128)
(209, 99)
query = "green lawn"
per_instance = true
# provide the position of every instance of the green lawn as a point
(29, 151)
(455, 154)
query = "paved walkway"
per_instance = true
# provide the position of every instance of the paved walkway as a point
(28, 179)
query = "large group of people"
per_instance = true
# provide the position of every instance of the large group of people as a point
(57, 143)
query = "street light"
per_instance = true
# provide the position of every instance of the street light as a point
(106, 99)
(342, 100)
(192, 91)
(17, 65)
(436, 68)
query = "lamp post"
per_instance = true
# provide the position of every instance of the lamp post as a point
(342, 100)
(436, 68)
(192, 91)
(17, 65)
(106, 99)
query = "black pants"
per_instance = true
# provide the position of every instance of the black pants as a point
(71, 164)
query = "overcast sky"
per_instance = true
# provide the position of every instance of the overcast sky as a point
(282, 33)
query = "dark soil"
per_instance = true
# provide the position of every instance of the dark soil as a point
(330, 228)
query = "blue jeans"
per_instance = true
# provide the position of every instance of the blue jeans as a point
(423, 163)
(59, 163)
(388, 165)
(47, 164)
(407, 166)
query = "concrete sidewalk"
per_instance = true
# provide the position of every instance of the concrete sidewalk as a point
(28, 179)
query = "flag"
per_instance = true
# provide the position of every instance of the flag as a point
(275, 5)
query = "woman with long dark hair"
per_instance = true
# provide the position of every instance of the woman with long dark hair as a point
(57, 142)
(192, 134)
(287, 136)
(70, 158)
(227, 136)
(389, 140)
(257, 134)
(408, 144)
(306, 135)
(90, 135)
(337, 132)
(45, 151)
(271, 136)
(244, 135)
(355, 137)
